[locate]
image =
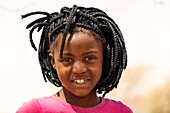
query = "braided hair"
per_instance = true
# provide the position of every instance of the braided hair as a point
(96, 20)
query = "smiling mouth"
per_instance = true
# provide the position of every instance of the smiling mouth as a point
(80, 81)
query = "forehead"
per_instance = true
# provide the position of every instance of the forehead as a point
(80, 38)
(79, 43)
(83, 38)
(78, 31)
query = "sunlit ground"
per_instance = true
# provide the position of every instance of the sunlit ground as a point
(145, 26)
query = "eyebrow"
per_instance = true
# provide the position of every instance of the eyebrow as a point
(67, 53)
(91, 51)
(86, 53)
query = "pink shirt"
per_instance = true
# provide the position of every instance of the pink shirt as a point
(52, 104)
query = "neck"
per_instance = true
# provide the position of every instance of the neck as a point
(87, 101)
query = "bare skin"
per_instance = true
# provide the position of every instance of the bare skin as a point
(79, 101)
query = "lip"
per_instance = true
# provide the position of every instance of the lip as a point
(81, 85)
(80, 81)
(80, 78)
(85, 83)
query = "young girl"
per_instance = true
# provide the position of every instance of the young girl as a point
(81, 50)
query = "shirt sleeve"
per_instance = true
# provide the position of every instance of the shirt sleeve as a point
(31, 106)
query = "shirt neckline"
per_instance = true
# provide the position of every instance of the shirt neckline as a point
(76, 108)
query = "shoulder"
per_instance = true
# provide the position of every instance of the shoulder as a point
(31, 106)
(36, 105)
(47, 104)
(117, 106)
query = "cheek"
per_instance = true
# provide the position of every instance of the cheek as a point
(59, 69)
(62, 71)
(99, 70)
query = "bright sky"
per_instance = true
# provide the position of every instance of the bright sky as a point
(144, 24)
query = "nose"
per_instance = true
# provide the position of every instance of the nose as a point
(79, 68)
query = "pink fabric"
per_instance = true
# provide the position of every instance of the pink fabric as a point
(54, 105)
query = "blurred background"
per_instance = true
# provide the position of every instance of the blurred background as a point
(145, 24)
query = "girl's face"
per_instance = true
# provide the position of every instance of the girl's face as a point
(81, 66)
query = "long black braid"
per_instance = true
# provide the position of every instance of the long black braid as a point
(114, 55)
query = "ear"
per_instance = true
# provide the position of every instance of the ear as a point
(52, 60)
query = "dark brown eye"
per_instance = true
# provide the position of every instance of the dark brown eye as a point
(89, 58)
(67, 60)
